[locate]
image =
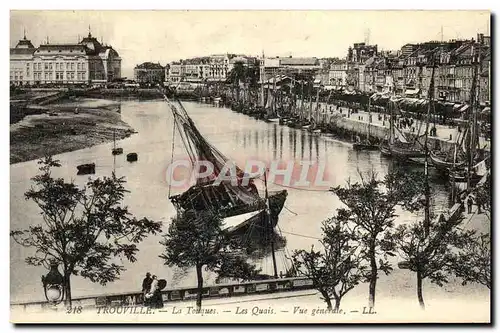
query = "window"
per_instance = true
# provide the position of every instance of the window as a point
(46, 66)
(72, 66)
(78, 66)
(83, 66)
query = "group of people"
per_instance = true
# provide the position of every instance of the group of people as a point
(151, 291)
(471, 201)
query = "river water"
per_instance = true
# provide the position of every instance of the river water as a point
(238, 137)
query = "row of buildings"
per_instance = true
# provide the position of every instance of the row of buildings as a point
(405, 72)
(408, 71)
(85, 62)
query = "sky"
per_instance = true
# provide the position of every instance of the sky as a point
(165, 36)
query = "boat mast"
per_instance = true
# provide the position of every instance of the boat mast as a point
(262, 72)
(369, 119)
(302, 101)
(273, 105)
(271, 236)
(317, 107)
(426, 152)
(472, 120)
(310, 100)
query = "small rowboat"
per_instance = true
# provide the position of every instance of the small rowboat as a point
(132, 157)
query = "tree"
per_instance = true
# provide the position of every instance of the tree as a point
(83, 229)
(196, 238)
(474, 260)
(433, 257)
(336, 270)
(370, 206)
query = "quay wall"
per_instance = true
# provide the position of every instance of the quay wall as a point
(379, 132)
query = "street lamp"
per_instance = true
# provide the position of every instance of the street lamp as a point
(53, 284)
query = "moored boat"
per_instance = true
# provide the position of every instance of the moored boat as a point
(240, 201)
(86, 169)
(441, 163)
(364, 146)
(132, 157)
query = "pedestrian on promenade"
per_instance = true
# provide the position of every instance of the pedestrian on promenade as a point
(469, 204)
(154, 299)
(154, 283)
(479, 204)
(146, 283)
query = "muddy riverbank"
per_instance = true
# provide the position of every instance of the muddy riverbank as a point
(58, 128)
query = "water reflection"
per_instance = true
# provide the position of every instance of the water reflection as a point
(149, 188)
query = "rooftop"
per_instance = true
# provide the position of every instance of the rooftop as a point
(299, 61)
(149, 65)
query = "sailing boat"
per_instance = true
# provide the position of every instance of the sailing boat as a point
(466, 154)
(272, 115)
(475, 166)
(446, 161)
(116, 151)
(315, 128)
(237, 201)
(367, 145)
(401, 148)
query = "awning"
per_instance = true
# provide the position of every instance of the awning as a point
(412, 91)
(464, 108)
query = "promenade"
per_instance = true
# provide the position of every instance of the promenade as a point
(285, 307)
(443, 132)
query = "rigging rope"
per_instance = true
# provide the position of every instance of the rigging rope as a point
(290, 210)
(301, 189)
(172, 158)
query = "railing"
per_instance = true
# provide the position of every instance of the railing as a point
(180, 294)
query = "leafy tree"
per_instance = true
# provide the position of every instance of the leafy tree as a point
(197, 238)
(433, 257)
(474, 260)
(370, 206)
(336, 270)
(83, 229)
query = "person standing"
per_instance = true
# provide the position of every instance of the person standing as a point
(146, 283)
(154, 299)
(469, 205)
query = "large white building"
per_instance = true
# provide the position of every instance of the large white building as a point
(83, 63)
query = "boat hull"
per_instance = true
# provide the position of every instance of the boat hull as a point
(385, 151)
(86, 169)
(276, 203)
(364, 146)
(405, 153)
(442, 164)
(273, 120)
